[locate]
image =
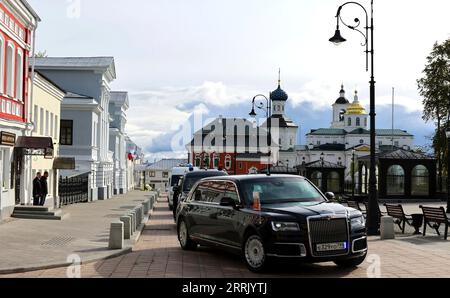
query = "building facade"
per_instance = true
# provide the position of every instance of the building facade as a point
(47, 99)
(85, 118)
(18, 23)
(118, 106)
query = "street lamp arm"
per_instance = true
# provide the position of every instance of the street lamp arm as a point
(356, 26)
(260, 105)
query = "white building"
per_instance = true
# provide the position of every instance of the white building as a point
(118, 107)
(85, 118)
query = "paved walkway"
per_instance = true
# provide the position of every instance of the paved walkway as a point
(36, 243)
(158, 255)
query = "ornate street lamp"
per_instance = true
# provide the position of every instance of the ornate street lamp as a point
(447, 133)
(373, 218)
(268, 109)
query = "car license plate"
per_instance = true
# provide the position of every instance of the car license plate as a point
(331, 246)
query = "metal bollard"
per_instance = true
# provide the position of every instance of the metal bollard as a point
(116, 235)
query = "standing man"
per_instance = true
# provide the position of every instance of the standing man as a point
(37, 189)
(44, 189)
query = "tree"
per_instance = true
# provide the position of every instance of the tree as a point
(434, 87)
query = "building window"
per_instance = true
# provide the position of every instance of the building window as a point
(10, 70)
(165, 174)
(66, 135)
(197, 161)
(397, 144)
(333, 182)
(47, 116)
(152, 174)
(349, 121)
(35, 115)
(51, 126)
(56, 127)
(228, 162)
(41, 122)
(206, 161)
(358, 121)
(240, 166)
(420, 180)
(316, 179)
(216, 161)
(361, 141)
(19, 75)
(396, 181)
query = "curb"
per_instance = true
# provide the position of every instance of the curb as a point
(88, 261)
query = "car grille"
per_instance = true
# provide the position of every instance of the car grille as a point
(324, 231)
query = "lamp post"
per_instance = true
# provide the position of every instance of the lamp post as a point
(373, 218)
(287, 166)
(447, 133)
(268, 107)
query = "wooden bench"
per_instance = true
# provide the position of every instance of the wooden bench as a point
(401, 218)
(434, 218)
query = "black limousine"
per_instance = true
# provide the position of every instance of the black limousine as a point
(266, 217)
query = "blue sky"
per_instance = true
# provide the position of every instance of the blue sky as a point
(180, 56)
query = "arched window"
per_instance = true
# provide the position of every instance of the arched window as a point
(2, 64)
(10, 70)
(19, 75)
(333, 182)
(228, 162)
(316, 179)
(364, 181)
(216, 161)
(349, 121)
(358, 121)
(395, 181)
(342, 115)
(420, 181)
(365, 122)
(206, 161)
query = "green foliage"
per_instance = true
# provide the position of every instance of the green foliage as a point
(434, 87)
(40, 54)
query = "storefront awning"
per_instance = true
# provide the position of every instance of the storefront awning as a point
(64, 163)
(36, 146)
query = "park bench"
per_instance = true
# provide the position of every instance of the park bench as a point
(401, 218)
(434, 218)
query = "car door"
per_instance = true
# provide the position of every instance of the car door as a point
(201, 210)
(229, 219)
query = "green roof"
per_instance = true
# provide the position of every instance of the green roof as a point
(359, 131)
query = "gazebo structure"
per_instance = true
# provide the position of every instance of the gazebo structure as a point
(327, 176)
(402, 174)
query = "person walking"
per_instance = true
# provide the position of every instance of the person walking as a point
(44, 189)
(37, 189)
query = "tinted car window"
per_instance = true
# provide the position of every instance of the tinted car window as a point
(175, 180)
(191, 179)
(231, 192)
(281, 190)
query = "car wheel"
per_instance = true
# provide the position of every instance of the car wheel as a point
(255, 254)
(183, 236)
(351, 263)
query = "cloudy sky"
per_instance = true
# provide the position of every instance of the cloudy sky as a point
(211, 56)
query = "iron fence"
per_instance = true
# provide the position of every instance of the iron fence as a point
(73, 190)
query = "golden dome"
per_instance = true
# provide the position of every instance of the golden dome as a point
(356, 108)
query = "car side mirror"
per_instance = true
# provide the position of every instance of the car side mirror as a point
(330, 196)
(228, 202)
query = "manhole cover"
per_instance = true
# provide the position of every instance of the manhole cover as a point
(59, 241)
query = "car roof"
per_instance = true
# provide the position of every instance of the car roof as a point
(253, 177)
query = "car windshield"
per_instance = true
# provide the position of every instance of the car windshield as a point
(175, 180)
(281, 190)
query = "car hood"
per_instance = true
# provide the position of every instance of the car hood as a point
(304, 210)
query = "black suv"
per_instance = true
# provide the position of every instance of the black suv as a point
(187, 182)
(263, 217)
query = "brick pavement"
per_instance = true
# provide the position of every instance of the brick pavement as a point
(158, 255)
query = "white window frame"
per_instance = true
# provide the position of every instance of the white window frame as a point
(2, 64)
(10, 69)
(19, 75)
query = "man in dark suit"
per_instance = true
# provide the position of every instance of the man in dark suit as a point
(37, 189)
(44, 189)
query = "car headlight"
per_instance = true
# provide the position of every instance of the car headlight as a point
(285, 226)
(358, 222)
